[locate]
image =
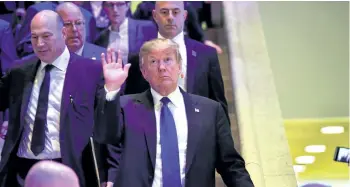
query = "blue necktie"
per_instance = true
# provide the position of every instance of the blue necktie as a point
(38, 136)
(169, 147)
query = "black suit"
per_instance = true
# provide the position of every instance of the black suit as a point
(209, 145)
(83, 83)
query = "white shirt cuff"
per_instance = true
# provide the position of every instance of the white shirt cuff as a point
(111, 95)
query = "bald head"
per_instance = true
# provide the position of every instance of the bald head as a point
(170, 17)
(74, 25)
(68, 7)
(51, 174)
(47, 38)
(160, 4)
(47, 18)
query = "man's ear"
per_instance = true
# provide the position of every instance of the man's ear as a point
(185, 14)
(154, 15)
(64, 33)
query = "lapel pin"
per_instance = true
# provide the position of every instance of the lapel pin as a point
(196, 109)
(194, 53)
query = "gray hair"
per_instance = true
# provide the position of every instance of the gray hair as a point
(69, 7)
(158, 44)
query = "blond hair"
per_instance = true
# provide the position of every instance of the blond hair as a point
(159, 44)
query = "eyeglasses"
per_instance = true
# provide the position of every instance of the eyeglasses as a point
(112, 5)
(77, 23)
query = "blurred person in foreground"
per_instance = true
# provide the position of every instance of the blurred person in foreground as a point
(51, 174)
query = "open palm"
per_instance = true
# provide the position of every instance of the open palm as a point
(113, 71)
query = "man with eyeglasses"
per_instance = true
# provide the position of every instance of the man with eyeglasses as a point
(75, 32)
(22, 38)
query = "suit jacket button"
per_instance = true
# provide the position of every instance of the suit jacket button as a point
(150, 177)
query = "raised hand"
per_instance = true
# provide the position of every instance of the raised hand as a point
(113, 71)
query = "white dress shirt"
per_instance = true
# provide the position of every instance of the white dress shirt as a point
(120, 40)
(177, 108)
(80, 51)
(179, 39)
(52, 144)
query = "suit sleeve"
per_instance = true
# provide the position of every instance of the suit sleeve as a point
(108, 117)
(194, 29)
(216, 84)
(230, 165)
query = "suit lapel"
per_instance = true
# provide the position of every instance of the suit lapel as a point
(132, 43)
(191, 65)
(70, 83)
(146, 109)
(194, 130)
(28, 86)
(104, 39)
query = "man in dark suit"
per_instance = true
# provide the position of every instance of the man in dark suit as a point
(53, 118)
(200, 66)
(75, 32)
(192, 28)
(201, 74)
(161, 151)
(127, 35)
(22, 39)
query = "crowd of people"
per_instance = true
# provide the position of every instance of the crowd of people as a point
(94, 95)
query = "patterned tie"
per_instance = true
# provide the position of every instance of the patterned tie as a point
(38, 136)
(169, 147)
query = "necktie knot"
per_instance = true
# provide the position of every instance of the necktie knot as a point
(165, 101)
(48, 67)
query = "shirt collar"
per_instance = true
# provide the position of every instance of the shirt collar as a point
(61, 61)
(179, 39)
(122, 28)
(175, 97)
(80, 51)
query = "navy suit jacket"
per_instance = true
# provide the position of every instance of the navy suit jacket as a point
(204, 76)
(83, 83)
(139, 31)
(209, 146)
(93, 51)
(22, 39)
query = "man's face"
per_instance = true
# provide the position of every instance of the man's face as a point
(46, 39)
(161, 69)
(116, 11)
(74, 29)
(170, 17)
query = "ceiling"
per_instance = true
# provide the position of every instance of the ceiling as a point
(301, 133)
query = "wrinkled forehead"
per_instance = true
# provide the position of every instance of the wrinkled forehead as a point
(71, 15)
(159, 53)
(43, 23)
